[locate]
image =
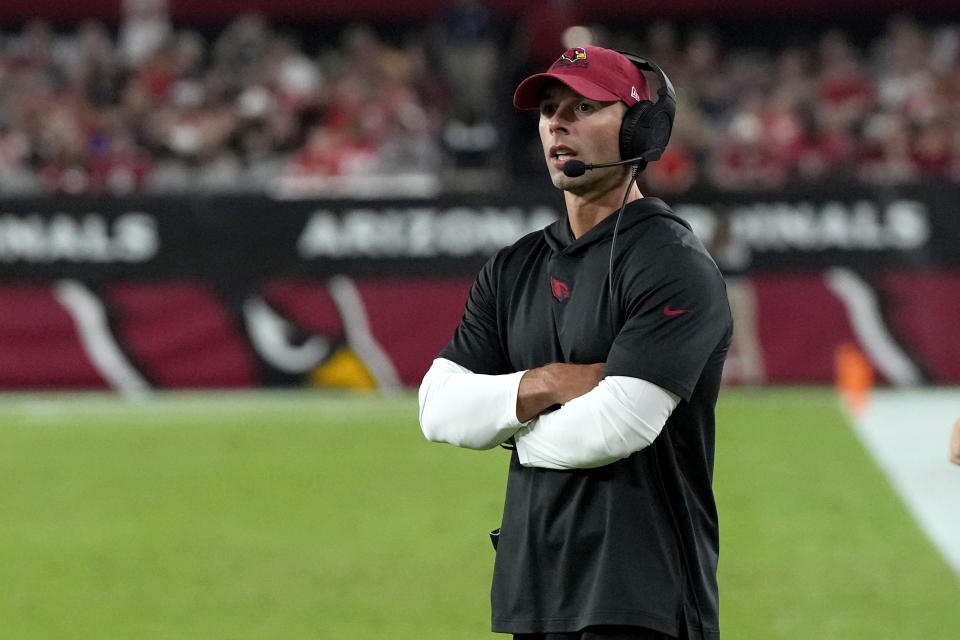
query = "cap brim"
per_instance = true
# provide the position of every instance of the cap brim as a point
(528, 93)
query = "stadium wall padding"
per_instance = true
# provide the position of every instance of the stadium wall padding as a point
(238, 292)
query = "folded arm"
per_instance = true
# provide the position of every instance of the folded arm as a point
(467, 409)
(600, 420)
(620, 416)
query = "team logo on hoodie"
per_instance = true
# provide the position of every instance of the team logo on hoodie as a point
(559, 289)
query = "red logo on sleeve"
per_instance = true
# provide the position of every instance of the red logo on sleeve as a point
(667, 311)
(559, 289)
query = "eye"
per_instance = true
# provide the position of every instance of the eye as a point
(547, 108)
(585, 107)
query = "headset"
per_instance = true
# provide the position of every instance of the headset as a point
(647, 125)
(645, 128)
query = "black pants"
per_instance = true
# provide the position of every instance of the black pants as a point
(604, 632)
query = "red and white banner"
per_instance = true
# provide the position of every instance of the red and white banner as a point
(385, 332)
(164, 293)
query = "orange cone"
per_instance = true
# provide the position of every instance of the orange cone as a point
(854, 377)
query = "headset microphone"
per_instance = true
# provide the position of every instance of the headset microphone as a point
(576, 168)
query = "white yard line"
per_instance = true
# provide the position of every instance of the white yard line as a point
(907, 432)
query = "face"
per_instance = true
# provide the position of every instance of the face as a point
(573, 127)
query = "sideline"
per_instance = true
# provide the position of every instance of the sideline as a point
(907, 432)
(65, 408)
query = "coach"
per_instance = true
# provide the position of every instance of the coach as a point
(594, 348)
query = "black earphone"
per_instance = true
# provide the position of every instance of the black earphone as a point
(647, 125)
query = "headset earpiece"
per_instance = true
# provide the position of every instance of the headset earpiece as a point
(629, 147)
(646, 127)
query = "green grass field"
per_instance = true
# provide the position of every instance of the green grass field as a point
(298, 515)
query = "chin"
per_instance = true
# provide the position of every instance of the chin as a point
(561, 181)
(576, 186)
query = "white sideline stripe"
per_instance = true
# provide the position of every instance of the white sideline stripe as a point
(864, 314)
(90, 319)
(907, 432)
(157, 407)
(359, 337)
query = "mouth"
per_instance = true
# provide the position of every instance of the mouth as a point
(560, 155)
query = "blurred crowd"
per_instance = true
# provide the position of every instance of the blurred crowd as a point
(150, 108)
(884, 113)
(159, 110)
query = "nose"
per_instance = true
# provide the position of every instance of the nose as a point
(559, 120)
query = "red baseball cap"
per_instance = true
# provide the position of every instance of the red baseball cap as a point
(593, 72)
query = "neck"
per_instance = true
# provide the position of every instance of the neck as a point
(586, 210)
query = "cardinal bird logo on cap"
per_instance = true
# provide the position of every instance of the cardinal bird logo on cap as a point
(573, 56)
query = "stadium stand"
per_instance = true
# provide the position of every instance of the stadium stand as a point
(144, 106)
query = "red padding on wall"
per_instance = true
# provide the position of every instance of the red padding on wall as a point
(39, 344)
(180, 335)
(924, 309)
(413, 320)
(800, 324)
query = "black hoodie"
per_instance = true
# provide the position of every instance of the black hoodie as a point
(620, 544)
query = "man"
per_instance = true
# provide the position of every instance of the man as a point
(600, 361)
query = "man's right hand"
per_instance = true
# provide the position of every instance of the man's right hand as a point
(555, 383)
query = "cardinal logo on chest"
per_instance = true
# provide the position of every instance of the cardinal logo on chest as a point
(559, 289)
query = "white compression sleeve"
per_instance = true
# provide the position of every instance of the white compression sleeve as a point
(618, 417)
(468, 409)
